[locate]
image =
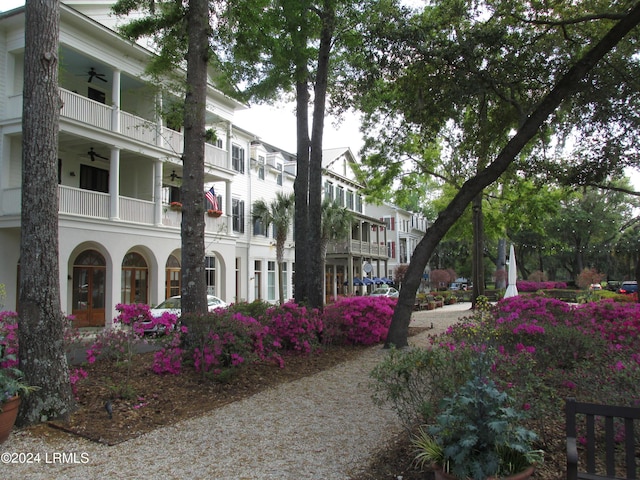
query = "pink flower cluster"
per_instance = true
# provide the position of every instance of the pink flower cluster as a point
(358, 320)
(293, 327)
(9, 339)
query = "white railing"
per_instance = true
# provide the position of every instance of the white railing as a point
(94, 113)
(138, 211)
(216, 156)
(137, 128)
(14, 107)
(10, 201)
(86, 203)
(85, 110)
(172, 140)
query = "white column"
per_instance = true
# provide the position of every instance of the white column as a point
(114, 183)
(159, 120)
(157, 191)
(115, 96)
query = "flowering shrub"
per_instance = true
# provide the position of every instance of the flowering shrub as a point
(9, 344)
(529, 286)
(75, 376)
(219, 342)
(120, 343)
(293, 327)
(9, 338)
(358, 320)
(169, 358)
(543, 351)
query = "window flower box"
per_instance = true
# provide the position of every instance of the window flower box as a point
(177, 206)
(214, 213)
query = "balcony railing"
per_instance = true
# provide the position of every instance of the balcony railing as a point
(356, 247)
(90, 112)
(90, 204)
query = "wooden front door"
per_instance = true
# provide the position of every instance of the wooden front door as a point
(88, 296)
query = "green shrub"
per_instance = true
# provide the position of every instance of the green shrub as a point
(413, 381)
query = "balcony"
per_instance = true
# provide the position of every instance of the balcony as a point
(89, 204)
(90, 112)
(356, 247)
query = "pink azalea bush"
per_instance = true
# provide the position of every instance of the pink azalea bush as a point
(358, 320)
(543, 350)
(9, 338)
(225, 340)
(120, 343)
(9, 344)
(293, 327)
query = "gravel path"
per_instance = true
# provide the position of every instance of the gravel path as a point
(320, 427)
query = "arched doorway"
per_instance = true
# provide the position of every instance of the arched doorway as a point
(88, 296)
(134, 282)
(173, 276)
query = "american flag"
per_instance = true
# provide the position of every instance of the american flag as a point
(213, 200)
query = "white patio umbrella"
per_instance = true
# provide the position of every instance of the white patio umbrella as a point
(512, 291)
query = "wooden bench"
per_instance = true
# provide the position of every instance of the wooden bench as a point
(611, 418)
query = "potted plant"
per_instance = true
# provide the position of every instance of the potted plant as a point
(11, 389)
(478, 435)
(177, 206)
(214, 213)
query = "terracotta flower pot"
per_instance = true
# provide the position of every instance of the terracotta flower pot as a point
(524, 475)
(8, 417)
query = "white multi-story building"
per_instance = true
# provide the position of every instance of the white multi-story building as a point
(119, 173)
(405, 229)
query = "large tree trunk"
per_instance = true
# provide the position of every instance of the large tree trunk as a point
(568, 84)
(301, 193)
(478, 248)
(40, 332)
(194, 288)
(316, 280)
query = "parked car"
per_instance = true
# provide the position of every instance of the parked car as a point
(628, 287)
(385, 292)
(595, 286)
(173, 305)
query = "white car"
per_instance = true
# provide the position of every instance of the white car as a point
(385, 292)
(172, 305)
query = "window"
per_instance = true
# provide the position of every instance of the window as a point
(349, 199)
(328, 190)
(340, 196)
(390, 223)
(237, 158)
(359, 203)
(271, 280)
(261, 162)
(257, 277)
(219, 143)
(92, 178)
(170, 194)
(258, 227)
(285, 280)
(403, 251)
(210, 274)
(134, 279)
(391, 250)
(279, 177)
(237, 212)
(96, 95)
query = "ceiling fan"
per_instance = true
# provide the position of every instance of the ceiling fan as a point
(93, 74)
(93, 154)
(174, 175)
